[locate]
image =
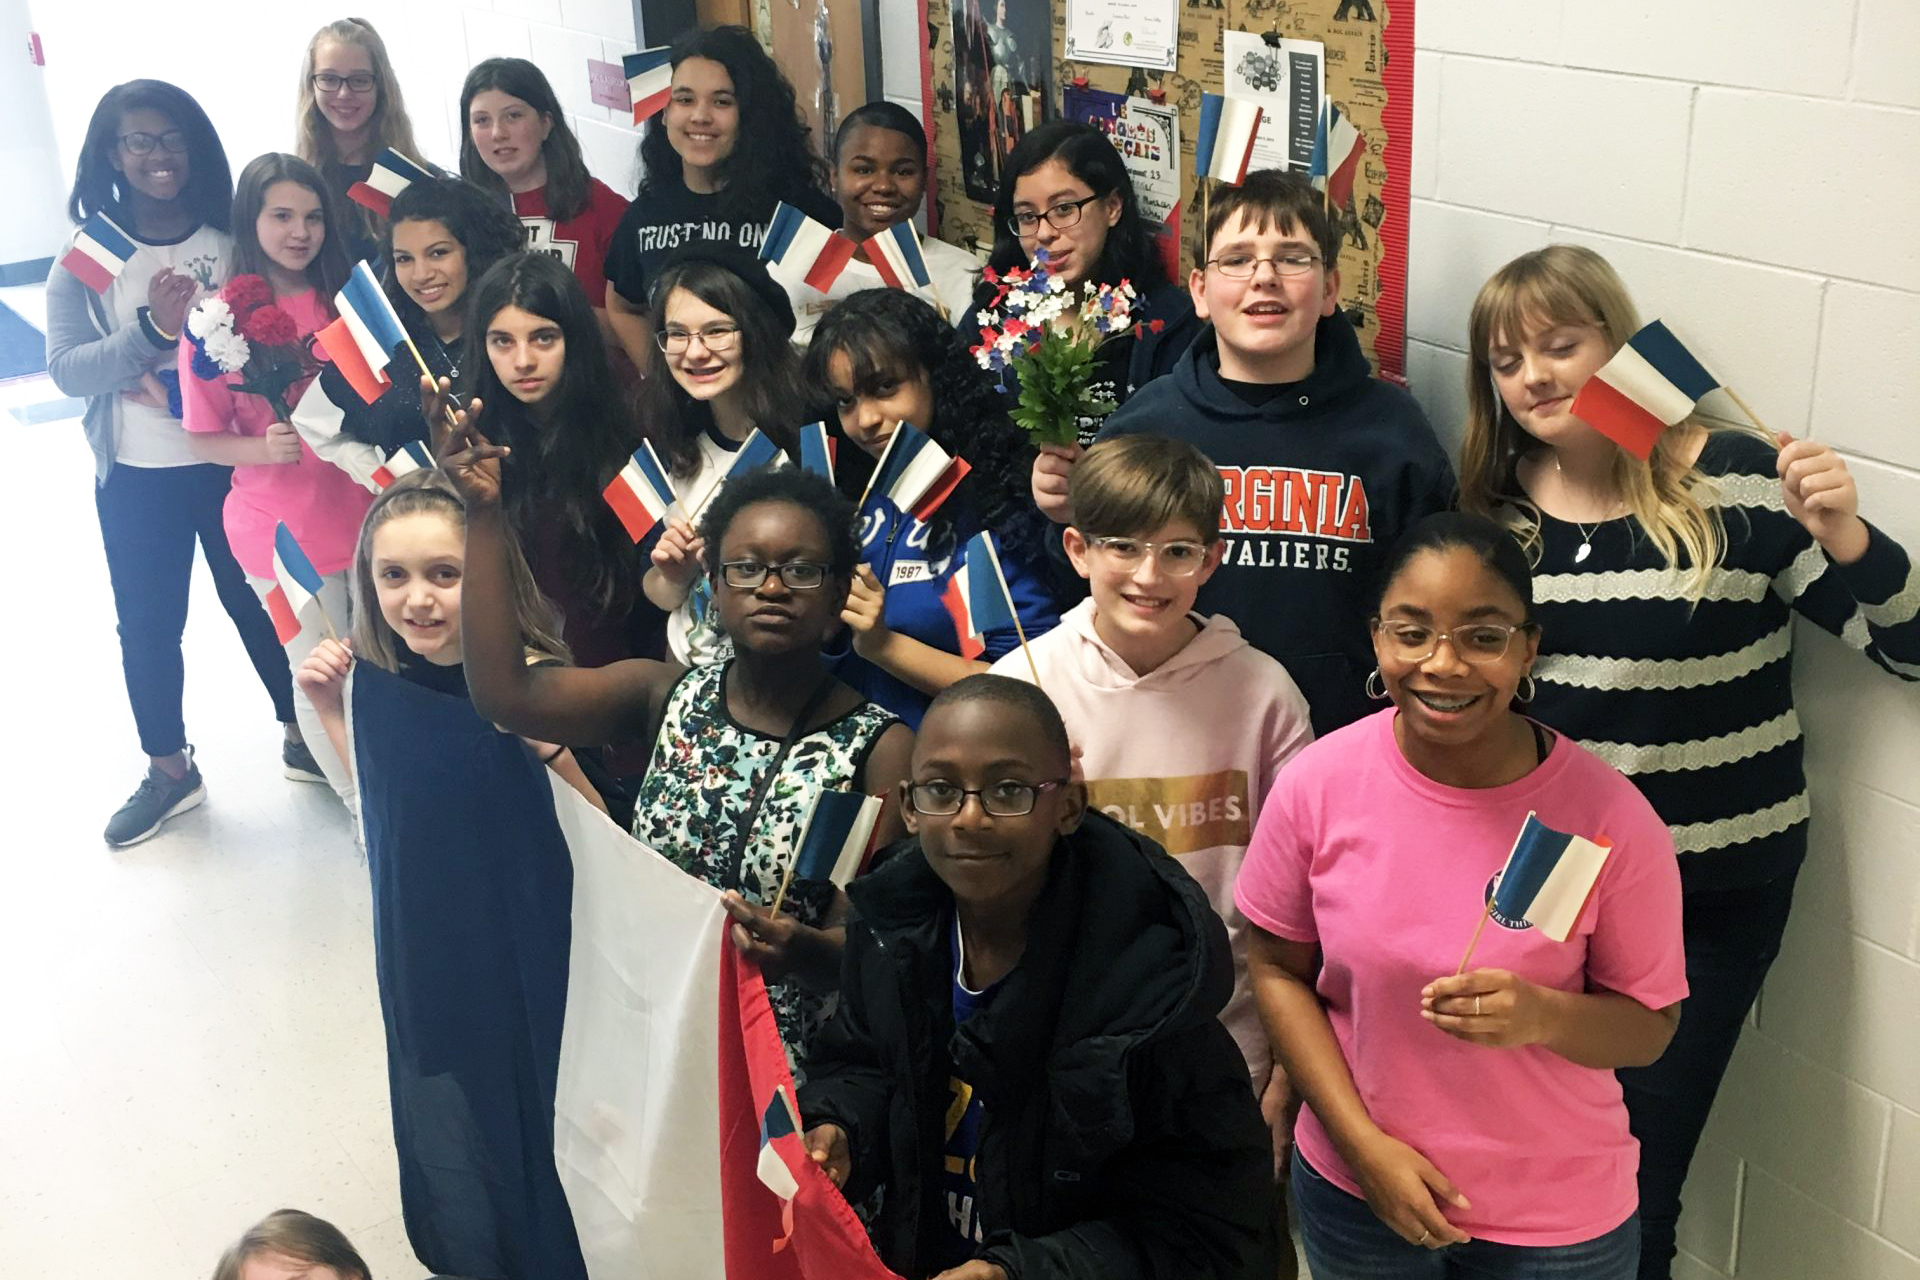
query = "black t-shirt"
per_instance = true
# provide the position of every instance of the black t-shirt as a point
(1255, 394)
(668, 217)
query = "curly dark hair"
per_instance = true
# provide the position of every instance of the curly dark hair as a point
(485, 228)
(812, 493)
(889, 334)
(98, 187)
(773, 154)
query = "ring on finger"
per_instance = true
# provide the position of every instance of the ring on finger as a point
(1476, 1006)
(1425, 1236)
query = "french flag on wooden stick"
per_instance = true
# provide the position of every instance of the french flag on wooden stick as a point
(1337, 148)
(408, 458)
(977, 598)
(1224, 146)
(99, 254)
(1548, 877)
(835, 841)
(1652, 383)
(896, 255)
(296, 583)
(755, 452)
(641, 494)
(649, 80)
(361, 342)
(392, 174)
(817, 450)
(915, 474)
(804, 249)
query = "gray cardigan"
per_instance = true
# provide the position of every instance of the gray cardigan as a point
(87, 357)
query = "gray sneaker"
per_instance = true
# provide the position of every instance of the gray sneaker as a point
(297, 762)
(158, 798)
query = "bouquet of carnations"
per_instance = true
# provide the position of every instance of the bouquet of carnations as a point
(1045, 334)
(240, 330)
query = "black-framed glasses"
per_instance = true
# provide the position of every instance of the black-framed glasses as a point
(714, 337)
(1245, 266)
(333, 82)
(1179, 559)
(1007, 798)
(142, 144)
(798, 575)
(1062, 216)
(1477, 643)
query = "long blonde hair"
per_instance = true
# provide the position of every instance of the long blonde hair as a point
(428, 491)
(1672, 501)
(313, 136)
(294, 1234)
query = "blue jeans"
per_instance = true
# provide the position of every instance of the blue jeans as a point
(1343, 1240)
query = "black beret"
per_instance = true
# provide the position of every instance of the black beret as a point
(751, 271)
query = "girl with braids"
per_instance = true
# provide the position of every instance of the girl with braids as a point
(885, 357)
(698, 182)
(350, 111)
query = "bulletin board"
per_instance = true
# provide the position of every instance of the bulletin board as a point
(1368, 75)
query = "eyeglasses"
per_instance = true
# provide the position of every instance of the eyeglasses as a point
(1245, 266)
(1006, 799)
(330, 82)
(797, 575)
(142, 144)
(714, 337)
(1062, 215)
(1478, 643)
(1175, 559)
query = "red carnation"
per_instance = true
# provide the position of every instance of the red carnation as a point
(269, 326)
(246, 293)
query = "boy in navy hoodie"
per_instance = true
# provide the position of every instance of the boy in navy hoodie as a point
(1324, 465)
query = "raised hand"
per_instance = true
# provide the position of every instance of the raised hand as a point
(677, 554)
(1052, 468)
(865, 613)
(323, 676)
(470, 460)
(169, 296)
(1820, 493)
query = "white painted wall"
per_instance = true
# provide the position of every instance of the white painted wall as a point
(34, 225)
(1753, 168)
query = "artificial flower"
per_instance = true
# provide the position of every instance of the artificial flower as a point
(245, 293)
(270, 326)
(211, 314)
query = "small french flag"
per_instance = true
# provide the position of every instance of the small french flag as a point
(915, 474)
(296, 583)
(99, 254)
(408, 458)
(392, 174)
(1223, 147)
(896, 255)
(1548, 877)
(641, 494)
(834, 842)
(649, 80)
(976, 596)
(1337, 148)
(361, 342)
(804, 249)
(1653, 382)
(755, 452)
(817, 449)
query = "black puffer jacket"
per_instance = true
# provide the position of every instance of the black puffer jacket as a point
(1120, 1139)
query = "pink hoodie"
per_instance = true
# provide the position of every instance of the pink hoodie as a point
(1184, 754)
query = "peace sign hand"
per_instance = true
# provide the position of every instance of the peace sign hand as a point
(470, 460)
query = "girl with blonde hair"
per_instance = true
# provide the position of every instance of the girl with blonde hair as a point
(1666, 591)
(350, 110)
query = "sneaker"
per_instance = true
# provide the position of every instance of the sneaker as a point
(298, 762)
(158, 798)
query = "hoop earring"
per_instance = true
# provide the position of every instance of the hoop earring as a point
(1373, 677)
(1532, 688)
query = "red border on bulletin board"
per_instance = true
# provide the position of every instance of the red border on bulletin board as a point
(1390, 309)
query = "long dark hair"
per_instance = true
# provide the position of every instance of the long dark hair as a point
(330, 267)
(485, 229)
(888, 334)
(558, 468)
(98, 187)
(773, 155)
(769, 370)
(1129, 253)
(568, 182)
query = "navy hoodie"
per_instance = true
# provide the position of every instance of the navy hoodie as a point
(1321, 480)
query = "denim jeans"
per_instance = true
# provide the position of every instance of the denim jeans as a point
(1345, 1241)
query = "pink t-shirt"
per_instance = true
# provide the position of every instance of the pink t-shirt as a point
(320, 503)
(1389, 871)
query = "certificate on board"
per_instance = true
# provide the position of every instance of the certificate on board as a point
(1127, 33)
(1287, 78)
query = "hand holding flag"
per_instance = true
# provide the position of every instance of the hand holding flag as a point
(1546, 881)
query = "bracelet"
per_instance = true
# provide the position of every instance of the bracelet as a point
(146, 316)
(557, 753)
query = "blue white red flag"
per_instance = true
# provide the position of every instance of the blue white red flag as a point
(295, 584)
(1548, 877)
(649, 80)
(1653, 382)
(915, 474)
(1338, 146)
(755, 452)
(817, 450)
(836, 837)
(99, 253)
(799, 248)
(976, 596)
(408, 458)
(642, 493)
(361, 342)
(1223, 147)
(897, 256)
(392, 174)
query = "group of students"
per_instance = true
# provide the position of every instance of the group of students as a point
(1154, 875)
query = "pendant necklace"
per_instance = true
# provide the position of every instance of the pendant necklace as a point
(1586, 534)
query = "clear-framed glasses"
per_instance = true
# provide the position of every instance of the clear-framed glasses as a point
(714, 337)
(1181, 559)
(1062, 215)
(142, 144)
(1245, 266)
(333, 82)
(1007, 798)
(1477, 642)
(798, 575)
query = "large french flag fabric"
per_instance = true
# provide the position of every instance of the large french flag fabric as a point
(1653, 382)
(408, 458)
(296, 583)
(817, 450)
(641, 494)
(1223, 147)
(976, 597)
(1548, 877)
(799, 248)
(897, 256)
(1337, 147)
(361, 342)
(649, 80)
(99, 253)
(587, 1080)
(392, 174)
(915, 474)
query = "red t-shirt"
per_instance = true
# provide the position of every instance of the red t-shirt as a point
(580, 242)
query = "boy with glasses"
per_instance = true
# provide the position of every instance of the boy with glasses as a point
(1323, 465)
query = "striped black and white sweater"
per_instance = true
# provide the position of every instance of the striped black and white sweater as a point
(1694, 702)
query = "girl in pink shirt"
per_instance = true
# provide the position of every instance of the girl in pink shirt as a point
(1469, 1124)
(285, 233)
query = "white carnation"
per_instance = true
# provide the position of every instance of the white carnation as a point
(211, 315)
(228, 350)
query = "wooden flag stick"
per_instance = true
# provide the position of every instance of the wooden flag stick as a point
(780, 895)
(1485, 915)
(1752, 417)
(1021, 631)
(879, 465)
